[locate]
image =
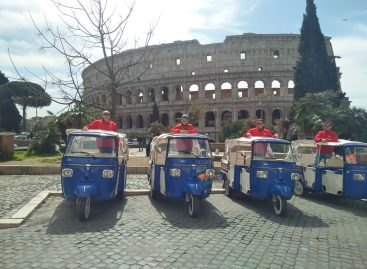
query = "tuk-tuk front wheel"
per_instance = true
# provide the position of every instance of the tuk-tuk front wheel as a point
(83, 207)
(194, 206)
(279, 205)
(298, 188)
(227, 189)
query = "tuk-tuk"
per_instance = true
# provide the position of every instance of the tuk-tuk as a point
(93, 168)
(260, 167)
(341, 173)
(181, 167)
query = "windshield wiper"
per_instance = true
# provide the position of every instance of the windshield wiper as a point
(84, 152)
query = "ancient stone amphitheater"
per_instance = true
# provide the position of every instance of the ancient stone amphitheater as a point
(248, 75)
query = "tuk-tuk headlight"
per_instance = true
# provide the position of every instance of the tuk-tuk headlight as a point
(175, 172)
(261, 174)
(295, 176)
(359, 177)
(67, 172)
(107, 173)
(210, 173)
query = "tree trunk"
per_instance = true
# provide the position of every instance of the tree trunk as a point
(24, 117)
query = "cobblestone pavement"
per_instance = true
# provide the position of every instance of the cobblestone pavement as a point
(16, 191)
(317, 232)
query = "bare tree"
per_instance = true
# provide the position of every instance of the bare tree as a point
(92, 28)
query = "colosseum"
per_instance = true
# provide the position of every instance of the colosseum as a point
(248, 75)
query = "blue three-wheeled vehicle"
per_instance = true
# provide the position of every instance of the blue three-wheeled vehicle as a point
(93, 168)
(341, 173)
(181, 167)
(263, 168)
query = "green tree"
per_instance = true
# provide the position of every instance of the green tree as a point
(232, 130)
(46, 140)
(9, 115)
(156, 128)
(196, 112)
(27, 94)
(316, 70)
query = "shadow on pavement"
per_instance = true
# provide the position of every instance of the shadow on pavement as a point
(104, 216)
(176, 213)
(293, 216)
(357, 207)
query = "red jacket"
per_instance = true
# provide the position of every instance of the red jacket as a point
(188, 127)
(256, 132)
(101, 125)
(330, 136)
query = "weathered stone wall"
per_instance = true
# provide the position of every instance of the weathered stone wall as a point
(246, 75)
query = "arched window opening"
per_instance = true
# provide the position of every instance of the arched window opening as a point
(226, 90)
(242, 89)
(226, 117)
(129, 122)
(164, 94)
(259, 88)
(179, 92)
(260, 114)
(243, 114)
(276, 115)
(194, 92)
(165, 119)
(139, 121)
(209, 90)
(209, 119)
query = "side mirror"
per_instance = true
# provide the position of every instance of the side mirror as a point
(243, 154)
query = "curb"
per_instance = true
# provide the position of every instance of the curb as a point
(19, 217)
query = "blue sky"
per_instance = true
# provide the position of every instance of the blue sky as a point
(205, 20)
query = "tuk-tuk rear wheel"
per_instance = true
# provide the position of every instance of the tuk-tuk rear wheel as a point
(279, 205)
(194, 206)
(298, 188)
(84, 207)
(227, 189)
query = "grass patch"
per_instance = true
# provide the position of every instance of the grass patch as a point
(43, 158)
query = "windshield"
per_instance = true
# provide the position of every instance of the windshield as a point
(86, 146)
(189, 147)
(273, 152)
(356, 155)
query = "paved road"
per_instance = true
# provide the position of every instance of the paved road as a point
(16, 191)
(318, 232)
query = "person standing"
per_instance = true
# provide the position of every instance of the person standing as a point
(326, 135)
(105, 145)
(259, 130)
(184, 127)
(260, 148)
(105, 123)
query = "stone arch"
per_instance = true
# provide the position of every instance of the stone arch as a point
(209, 91)
(194, 92)
(140, 97)
(209, 119)
(242, 89)
(165, 119)
(259, 88)
(139, 121)
(226, 117)
(119, 122)
(275, 88)
(290, 87)
(129, 122)
(243, 114)
(179, 92)
(164, 94)
(128, 97)
(103, 99)
(276, 115)
(226, 90)
(151, 95)
(260, 114)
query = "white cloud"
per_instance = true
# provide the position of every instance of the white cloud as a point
(353, 52)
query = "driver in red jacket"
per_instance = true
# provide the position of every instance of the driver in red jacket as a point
(260, 130)
(327, 135)
(184, 145)
(105, 123)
